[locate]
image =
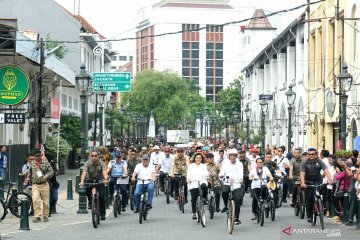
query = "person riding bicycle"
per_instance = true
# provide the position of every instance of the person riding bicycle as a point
(95, 170)
(310, 174)
(284, 165)
(294, 174)
(179, 165)
(144, 170)
(164, 167)
(156, 156)
(247, 168)
(235, 172)
(259, 176)
(118, 168)
(197, 171)
(275, 172)
(213, 179)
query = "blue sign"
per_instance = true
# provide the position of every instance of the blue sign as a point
(357, 143)
(266, 97)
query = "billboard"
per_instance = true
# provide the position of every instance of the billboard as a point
(177, 136)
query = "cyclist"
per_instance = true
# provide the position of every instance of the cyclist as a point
(118, 168)
(165, 167)
(95, 169)
(156, 156)
(235, 172)
(294, 174)
(259, 177)
(179, 165)
(197, 171)
(213, 178)
(253, 156)
(310, 174)
(284, 165)
(247, 168)
(144, 170)
(132, 162)
(274, 170)
(221, 158)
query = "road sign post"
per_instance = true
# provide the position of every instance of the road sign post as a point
(112, 81)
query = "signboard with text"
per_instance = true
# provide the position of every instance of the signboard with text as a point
(112, 81)
(12, 118)
(266, 97)
(54, 108)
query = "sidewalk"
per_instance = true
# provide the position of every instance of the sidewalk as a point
(66, 210)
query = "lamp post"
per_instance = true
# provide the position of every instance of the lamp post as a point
(206, 121)
(128, 115)
(101, 100)
(291, 96)
(345, 79)
(121, 111)
(112, 104)
(248, 114)
(235, 117)
(83, 82)
(264, 108)
(166, 128)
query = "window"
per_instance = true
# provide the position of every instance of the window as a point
(76, 104)
(122, 58)
(185, 72)
(131, 58)
(63, 100)
(195, 54)
(185, 53)
(186, 62)
(113, 58)
(70, 102)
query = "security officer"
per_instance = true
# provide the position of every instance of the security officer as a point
(94, 170)
(310, 174)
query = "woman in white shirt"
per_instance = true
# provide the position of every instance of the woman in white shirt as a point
(197, 172)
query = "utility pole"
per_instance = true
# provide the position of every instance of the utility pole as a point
(40, 83)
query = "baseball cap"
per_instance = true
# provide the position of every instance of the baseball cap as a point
(205, 148)
(146, 157)
(37, 152)
(156, 147)
(232, 151)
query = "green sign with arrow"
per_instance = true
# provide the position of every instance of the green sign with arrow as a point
(14, 85)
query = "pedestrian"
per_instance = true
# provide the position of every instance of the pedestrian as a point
(40, 173)
(26, 173)
(3, 161)
(54, 188)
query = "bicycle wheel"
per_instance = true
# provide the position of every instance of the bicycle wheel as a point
(141, 211)
(297, 208)
(202, 213)
(131, 197)
(272, 210)
(145, 211)
(267, 210)
(279, 198)
(2, 209)
(211, 207)
(115, 206)
(258, 212)
(321, 213)
(15, 203)
(181, 202)
(314, 214)
(262, 214)
(94, 212)
(230, 217)
(167, 192)
(302, 205)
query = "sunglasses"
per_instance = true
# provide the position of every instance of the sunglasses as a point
(280, 150)
(94, 155)
(311, 154)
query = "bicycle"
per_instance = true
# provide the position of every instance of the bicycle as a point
(200, 209)
(157, 185)
(270, 205)
(279, 185)
(131, 195)
(143, 211)
(95, 202)
(230, 214)
(261, 206)
(12, 202)
(299, 208)
(318, 209)
(181, 197)
(167, 187)
(211, 206)
(117, 195)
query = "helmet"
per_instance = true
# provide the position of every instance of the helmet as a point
(118, 153)
(156, 147)
(232, 151)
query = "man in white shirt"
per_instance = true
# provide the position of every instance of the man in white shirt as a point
(253, 156)
(144, 171)
(156, 156)
(221, 158)
(164, 167)
(284, 166)
(233, 174)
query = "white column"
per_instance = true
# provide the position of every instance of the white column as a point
(261, 81)
(281, 70)
(291, 64)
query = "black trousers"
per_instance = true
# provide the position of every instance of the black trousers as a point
(247, 183)
(176, 182)
(285, 187)
(123, 190)
(257, 192)
(236, 195)
(162, 182)
(195, 193)
(101, 191)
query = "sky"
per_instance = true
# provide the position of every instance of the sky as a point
(114, 18)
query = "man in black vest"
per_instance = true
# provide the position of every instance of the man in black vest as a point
(310, 174)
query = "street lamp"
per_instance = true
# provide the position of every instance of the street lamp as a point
(291, 96)
(112, 105)
(206, 121)
(122, 112)
(345, 79)
(82, 82)
(101, 100)
(247, 113)
(235, 116)
(264, 108)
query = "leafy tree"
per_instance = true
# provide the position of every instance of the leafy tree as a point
(70, 130)
(53, 43)
(51, 148)
(230, 98)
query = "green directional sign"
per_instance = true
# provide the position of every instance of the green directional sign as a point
(112, 81)
(14, 85)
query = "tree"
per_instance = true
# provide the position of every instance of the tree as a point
(230, 98)
(51, 44)
(51, 148)
(70, 130)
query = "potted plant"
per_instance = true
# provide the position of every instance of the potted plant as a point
(51, 151)
(344, 154)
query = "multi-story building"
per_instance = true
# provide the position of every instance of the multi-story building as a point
(333, 40)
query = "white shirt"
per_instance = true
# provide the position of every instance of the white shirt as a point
(156, 157)
(253, 160)
(166, 163)
(255, 183)
(281, 162)
(233, 171)
(220, 161)
(144, 172)
(332, 172)
(197, 173)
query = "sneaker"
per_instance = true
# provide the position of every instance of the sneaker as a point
(36, 220)
(194, 217)
(237, 221)
(254, 217)
(309, 220)
(103, 218)
(206, 202)
(217, 210)
(336, 218)
(123, 209)
(136, 210)
(149, 206)
(46, 219)
(284, 201)
(292, 205)
(349, 223)
(224, 209)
